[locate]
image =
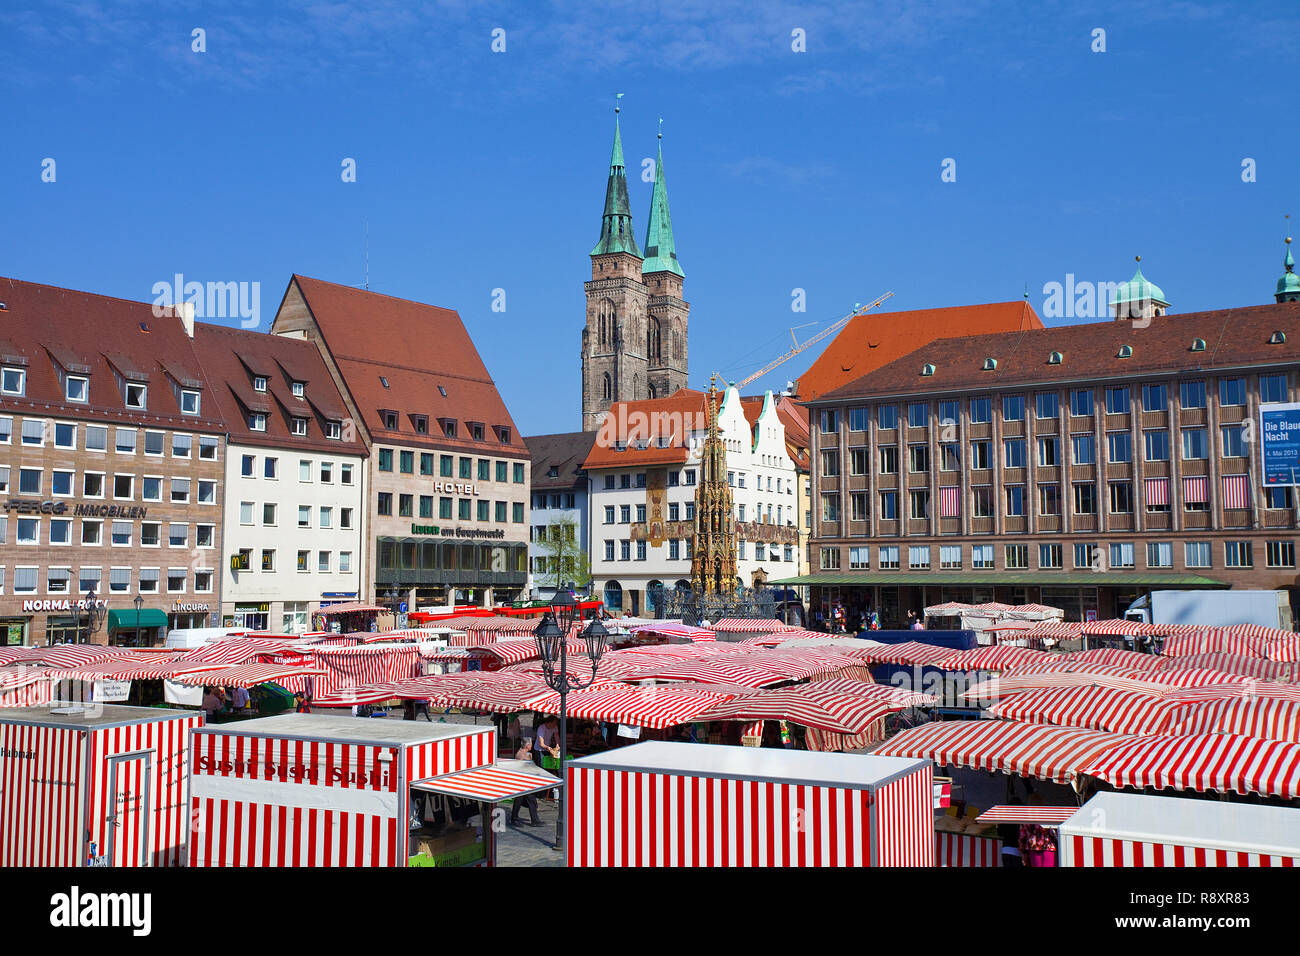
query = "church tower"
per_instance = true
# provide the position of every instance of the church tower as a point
(634, 340)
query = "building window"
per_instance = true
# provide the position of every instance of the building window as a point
(190, 399)
(918, 458)
(65, 435)
(1276, 499)
(1049, 556)
(149, 580)
(181, 445)
(406, 462)
(1234, 443)
(858, 419)
(1121, 555)
(887, 417)
(180, 490)
(323, 561)
(888, 460)
(446, 465)
(1272, 388)
(14, 381)
(1160, 554)
(981, 557)
(831, 507)
(1049, 499)
(1083, 449)
(1157, 445)
(1047, 405)
(137, 395)
(385, 459)
(1081, 402)
(150, 534)
(950, 557)
(1280, 554)
(1155, 398)
(1117, 402)
(858, 506)
(1085, 555)
(918, 414)
(1013, 408)
(1119, 447)
(918, 557)
(1121, 497)
(518, 473)
(981, 410)
(859, 558)
(830, 420)
(385, 503)
(979, 455)
(1195, 444)
(92, 484)
(466, 467)
(178, 535)
(345, 518)
(1237, 554)
(257, 422)
(830, 465)
(1049, 451)
(345, 562)
(1013, 452)
(982, 501)
(247, 466)
(1085, 498)
(123, 487)
(609, 550)
(1017, 556)
(949, 457)
(625, 551)
(444, 508)
(33, 432)
(464, 509)
(1191, 394)
(205, 535)
(1015, 501)
(259, 383)
(920, 502)
(640, 550)
(92, 532)
(1197, 554)
(1232, 391)
(304, 561)
(29, 531)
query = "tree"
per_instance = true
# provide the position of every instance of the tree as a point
(565, 558)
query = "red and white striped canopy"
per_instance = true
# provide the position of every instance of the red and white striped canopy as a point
(676, 629)
(64, 655)
(713, 670)
(1248, 716)
(1212, 640)
(1098, 675)
(1283, 648)
(806, 705)
(1097, 708)
(800, 634)
(883, 693)
(132, 670)
(487, 784)
(19, 675)
(1188, 677)
(993, 658)
(1122, 626)
(516, 652)
(654, 707)
(745, 625)
(1205, 762)
(908, 652)
(823, 741)
(1065, 664)
(1235, 494)
(684, 652)
(1034, 750)
(1041, 815)
(247, 675)
(239, 650)
(1260, 668)
(1237, 687)
(1135, 660)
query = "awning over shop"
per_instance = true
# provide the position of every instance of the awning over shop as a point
(126, 620)
(488, 784)
(1042, 815)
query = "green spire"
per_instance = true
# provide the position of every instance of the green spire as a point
(616, 225)
(660, 250)
(1288, 287)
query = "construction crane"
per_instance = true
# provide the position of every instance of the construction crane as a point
(802, 346)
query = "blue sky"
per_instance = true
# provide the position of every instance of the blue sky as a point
(816, 170)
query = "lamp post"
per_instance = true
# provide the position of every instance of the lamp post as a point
(552, 635)
(139, 601)
(94, 617)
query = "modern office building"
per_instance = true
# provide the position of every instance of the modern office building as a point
(1078, 466)
(111, 464)
(448, 476)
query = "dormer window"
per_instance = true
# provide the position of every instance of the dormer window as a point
(927, 369)
(256, 422)
(1125, 351)
(1277, 338)
(334, 430)
(14, 381)
(259, 383)
(299, 389)
(390, 420)
(190, 401)
(503, 434)
(476, 431)
(990, 364)
(1198, 345)
(299, 426)
(137, 395)
(449, 427)
(553, 471)
(421, 423)
(1056, 358)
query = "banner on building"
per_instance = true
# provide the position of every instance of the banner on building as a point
(1279, 430)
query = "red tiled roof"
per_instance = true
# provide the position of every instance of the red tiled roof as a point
(416, 348)
(47, 326)
(875, 339)
(648, 420)
(231, 356)
(1234, 338)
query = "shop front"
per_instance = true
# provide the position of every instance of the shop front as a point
(13, 630)
(131, 628)
(250, 616)
(437, 572)
(187, 615)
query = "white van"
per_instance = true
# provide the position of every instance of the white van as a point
(190, 637)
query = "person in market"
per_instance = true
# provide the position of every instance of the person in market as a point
(1009, 834)
(525, 752)
(212, 701)
(547, 740)
(239, 700)
(917, 624)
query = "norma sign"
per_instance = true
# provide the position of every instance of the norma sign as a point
(1279, 429)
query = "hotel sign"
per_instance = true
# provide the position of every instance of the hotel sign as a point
(455, 488)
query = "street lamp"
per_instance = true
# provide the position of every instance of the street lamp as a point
(138, 602)
(552, 636)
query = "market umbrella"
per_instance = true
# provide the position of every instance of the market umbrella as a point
(1115, 655)
(882, 693)
(1248, 716)
(828, 710)
(1097, 708)
(993, 657)
(1212, 640)
(654, 707)
(1034, 750)
(1102, 675)
(1260, 668)
(745, 625)
(1236, 687)
(1204, 762)
(908, 652)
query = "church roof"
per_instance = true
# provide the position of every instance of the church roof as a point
(616, 224)
(660, 249)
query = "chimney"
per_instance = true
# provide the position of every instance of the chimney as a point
(186, 312)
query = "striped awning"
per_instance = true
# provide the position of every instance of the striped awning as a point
(515, 652)
(712, 670)
(1097, 708)
(1204, 762)
(133, 670)
(1086, 675)
(1156, 491)
(950, 501)
(808, 706)
(676, 629)
(239, 650)
(1213, 640)
(1237, 688)
(247, 675)
(488, 784)
(1034, 750)
(16, 676)
(1234, 492)
(654, 707)
(1194, 491)
(65, 655)
(1135, 660)
(1260, 668)
(1188, 677)
(1248, 716)
(745, 625)
(909, 652)
(1042, 815)
(1121, 626)
(1285, 649)
(997, 657)
(883, 693)
(1061, 630)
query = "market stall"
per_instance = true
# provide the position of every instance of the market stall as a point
(743, 806)
(1126, 829)
(101, 786)
(319, 790)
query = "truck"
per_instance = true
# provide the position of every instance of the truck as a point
(1131, 829)
(1213, 608)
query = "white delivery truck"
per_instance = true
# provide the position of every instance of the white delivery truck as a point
(1213, 608)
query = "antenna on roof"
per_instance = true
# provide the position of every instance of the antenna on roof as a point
(367, 255)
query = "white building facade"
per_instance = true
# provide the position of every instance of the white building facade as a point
(643, 497)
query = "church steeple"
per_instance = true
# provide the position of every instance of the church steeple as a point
(1288, 287)
(660, 250)
(616, 225)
